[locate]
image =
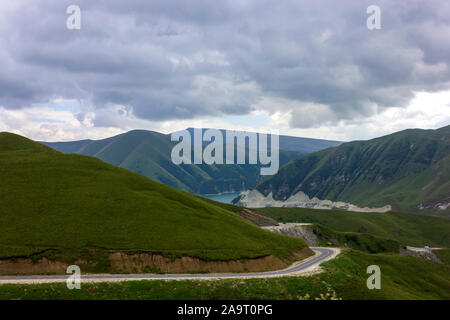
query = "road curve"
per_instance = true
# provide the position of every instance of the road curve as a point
(321, 255)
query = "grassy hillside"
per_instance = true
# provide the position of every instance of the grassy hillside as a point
(148, 153)
(402, 277)
(409, 170)
(406, 228)
(67, 203)
(443, 255)
(359, 241)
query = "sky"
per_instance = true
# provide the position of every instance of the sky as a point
(303, 68)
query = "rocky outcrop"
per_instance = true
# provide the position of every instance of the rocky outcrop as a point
(256, 218)
(296, 230)
(255, 199)
(427, 254)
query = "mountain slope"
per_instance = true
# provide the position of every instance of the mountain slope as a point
(148, 153)
(54, 202)
(407, 228)
(409, 170)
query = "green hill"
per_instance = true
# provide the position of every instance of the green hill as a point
(148, 153)
(410, 170)
(64, 203)
(407, 228)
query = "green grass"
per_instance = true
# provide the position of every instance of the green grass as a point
(402, 277)
(406, 228)
(409, 170)
(359, 241)
(443, 255)
(68, 203)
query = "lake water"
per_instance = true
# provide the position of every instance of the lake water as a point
(222, 197)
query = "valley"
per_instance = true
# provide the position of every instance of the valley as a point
(149, 153)
(407, 170)
(67, 208)
(225, 150)
(226, 197)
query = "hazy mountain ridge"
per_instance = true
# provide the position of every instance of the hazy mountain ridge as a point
(409, 170)
(148, 153)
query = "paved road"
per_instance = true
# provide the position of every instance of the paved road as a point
(321, 254)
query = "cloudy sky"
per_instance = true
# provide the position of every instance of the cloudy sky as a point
(306, 68)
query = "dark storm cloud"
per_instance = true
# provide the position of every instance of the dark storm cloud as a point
(184, 59)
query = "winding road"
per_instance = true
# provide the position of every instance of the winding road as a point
(310, 264)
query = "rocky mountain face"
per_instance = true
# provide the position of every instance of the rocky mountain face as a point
(409, 170)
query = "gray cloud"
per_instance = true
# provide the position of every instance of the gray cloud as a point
(186, 59)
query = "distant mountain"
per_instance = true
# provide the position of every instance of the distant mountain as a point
(296, 144)
(409, 170)
(148, 153)
(73, 208)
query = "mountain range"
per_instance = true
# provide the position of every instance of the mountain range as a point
(149, 153)
(409, 170)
